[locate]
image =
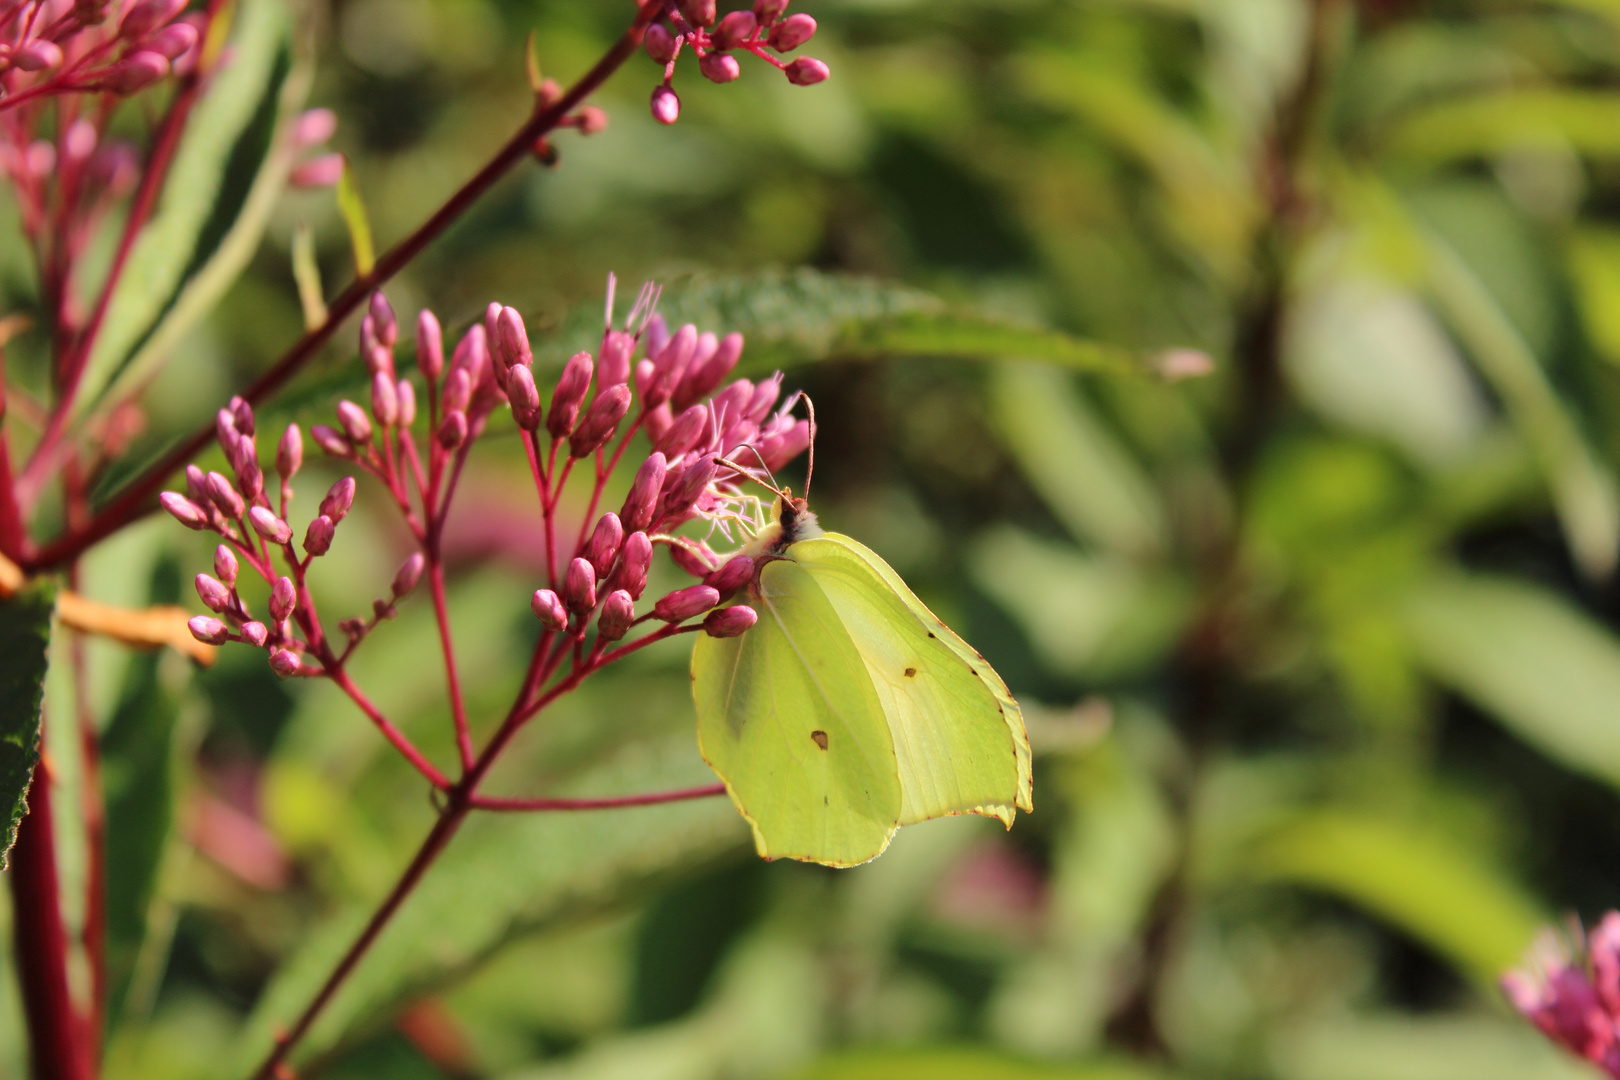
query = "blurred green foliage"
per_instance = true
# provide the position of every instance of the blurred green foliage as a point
(1320, 652)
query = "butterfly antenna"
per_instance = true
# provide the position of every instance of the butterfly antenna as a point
(810, 466)
(741, 471)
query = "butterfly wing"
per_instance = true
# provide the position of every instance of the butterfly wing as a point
(959, 737)
(789, 719)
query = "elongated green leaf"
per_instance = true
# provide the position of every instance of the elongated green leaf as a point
(25, 632)
(1588, 121)
(215, 204)
(963, 1063)
(353, 208)
(1546, 671)
(1420, 881)
(1447, 1046)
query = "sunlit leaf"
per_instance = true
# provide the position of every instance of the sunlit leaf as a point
(25, 633)
(1482, 124)
(352, 206)
(307, 274)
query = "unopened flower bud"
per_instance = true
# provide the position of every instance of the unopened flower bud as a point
(457, 390)
(215, 595)
(38, 55)
(702, 378)
(492, 317)
(406, 394)
(380, 360)
(642, 501)
(338, 500)
(778, 450)
(732, 403)
(242, 416)
(572, 386)
(174, 41)
(267, 525)
(408, 574)
(698, 12)
(512, 340)
(682, 604)
(660, 44)
(635, 557)
(323, 171)
(613, 362)
(600, 421)
(384, 399)
(768, 11)
(579, 586)
(792, 32)
(313, 127)
(225, 431)
(736, 28)
(670, 364)
(429, 345)
(184, 510)
(731, 621)
(142, 18)
(225, 565)
(765, 395)
(224, 496)
(331, 441)
(247, 450)
(284, 662)
(356, 424)
(255, 633)
(283, 598)
(684, 434)
(290, 453)
(383, 323)
(318, 537)
(592, 120)
(694, 557)
(452, 430)
(666, 106)
(681, 491)
(249, 478)
(720, 67)
(139, 70)
(806, 71)
(208, 630)
(524, 396)
(548, 608)
(737, 572)
(618, 612)
(603, 545)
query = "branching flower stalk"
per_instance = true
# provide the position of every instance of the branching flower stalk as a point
(708, 440)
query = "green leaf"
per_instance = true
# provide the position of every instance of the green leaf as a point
(502, 876)
(1594, 268)
(963, 1063)
(1545, 670)
(1430, 1046)
(307, 273)
(353, 208)
(25, 634)
(1421, 881)
(216, 202)
(1486, 124)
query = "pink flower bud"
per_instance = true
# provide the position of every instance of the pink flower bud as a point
(408, 574)
(135, 72)
(736, 28)
(660, 44)
(313, 127)
(429, 346)
(224, 496)
(225, 431)
(720, 67)
(283, 598)
(290, 453)
(284, 662)
(38, 55)
(732, 402)
(778, 450)
(247, 450)
(39, 159)
(731, 621)
(684, 433)
(142, 18)
(644, 376)
(670, 364)
(613, 367)
(384, 399)
(806, 71)
(208, 630)
(457, 390)
(492, 317)
(579, 586)
(635, 557)
(792, 32)
(572, 385)
(267, 525)
(655, 422)
(318, 537)
(592, 120)
(548, 609)
(356, 424)
(225, 565)
(639, 505)
(214, 594)
(338, 499)
(765, 395)
(452, 430)
(331, 441)
(524, 396)
(603, 545)
(317, 173)
(618, 612)
(737, 572)
(512, 340)
(693, 557)
(701, 379)
(184, 510)
(682, 604)
(406, 394)
(174, 41)
(698, 12)
(80, 141)
(254, 633)
(383, 323)
(768, 11)
(682, 489)
(249, 478)
(379, 359)
(666, 107)
(600, 421)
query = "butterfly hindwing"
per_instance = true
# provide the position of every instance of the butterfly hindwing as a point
(789, 718)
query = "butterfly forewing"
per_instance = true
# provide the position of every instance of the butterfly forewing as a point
(790, 719)
(959, 738)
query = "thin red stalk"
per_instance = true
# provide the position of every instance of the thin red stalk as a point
(93, 812)
(13, 537)
(386, 726)
(493, 802)
(458, 705)
(137, 498)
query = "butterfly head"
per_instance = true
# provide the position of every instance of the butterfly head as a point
(792, 520)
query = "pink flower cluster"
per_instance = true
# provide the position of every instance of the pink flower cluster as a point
(50, 47)
(763, 30)
(1570, 989)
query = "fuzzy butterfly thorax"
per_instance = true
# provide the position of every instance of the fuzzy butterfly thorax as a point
(792, 520)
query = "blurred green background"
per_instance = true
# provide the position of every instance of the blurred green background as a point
(1318, 651)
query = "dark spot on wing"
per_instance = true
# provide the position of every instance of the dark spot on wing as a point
(819, 738)
(931, 633)
(824, 801)
(911, 673)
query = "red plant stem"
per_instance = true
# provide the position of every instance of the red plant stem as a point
(386, 726)
(13, 537)
(58, 1049)
(458, 704)
(136, 499)
(492, 802)
(93, 811)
